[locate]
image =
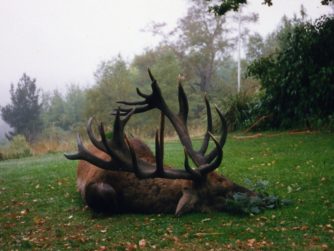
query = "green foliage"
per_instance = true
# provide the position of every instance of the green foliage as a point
(240, 111)
(298, 80)
(75, 103)
(166, 68)
(221, 7)
(242, 203)
(55, 134)
(65, 112)
(23, 114)
(199, 41)
(226, 6)
(17, 148)
(112, 84)
(53, 109)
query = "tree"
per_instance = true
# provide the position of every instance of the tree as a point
(164, 64)
(199, 41)
(23, 114)
(112, 84)
(75, 103)
(167, 69)
(65, 111)
(53, 110)
(298, 79)
(227, 5)
(255, 47)
(258, 46)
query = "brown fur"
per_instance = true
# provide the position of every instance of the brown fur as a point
(115, 192)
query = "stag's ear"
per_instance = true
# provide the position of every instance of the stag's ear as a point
(187, 202)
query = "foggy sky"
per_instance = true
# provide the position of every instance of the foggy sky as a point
(59, 42)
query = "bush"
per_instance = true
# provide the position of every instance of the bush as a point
(241, 112)
(17, 148)
(298, 80)
(54, 139)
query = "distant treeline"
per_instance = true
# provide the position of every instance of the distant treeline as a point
(288, 84)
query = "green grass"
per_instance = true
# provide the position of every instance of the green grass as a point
(40, 208)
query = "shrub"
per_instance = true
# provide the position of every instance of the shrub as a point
(297, 80)
(241, 111)
(17, 148)
(54, 139)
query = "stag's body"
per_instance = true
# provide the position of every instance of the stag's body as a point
(122, 192)
(106, 191)
(122, 175)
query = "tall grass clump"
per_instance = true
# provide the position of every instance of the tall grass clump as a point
(17, 148)
(241, 111)
(54, 140)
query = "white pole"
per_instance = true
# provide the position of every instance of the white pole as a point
(239, 49)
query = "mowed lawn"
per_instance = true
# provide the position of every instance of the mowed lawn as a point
(40, 208)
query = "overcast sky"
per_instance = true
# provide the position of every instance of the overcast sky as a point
(59, 42)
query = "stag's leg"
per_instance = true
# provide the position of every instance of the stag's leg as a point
(101, 197)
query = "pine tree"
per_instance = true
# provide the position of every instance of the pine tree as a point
(23, 114)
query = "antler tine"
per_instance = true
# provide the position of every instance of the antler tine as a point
(119, 124)
(222, 139)
(141, 94)
(141, 173)
(183, 104)
(105, 141)
(104, 145)
(158, 155)
(159, 146)
(151, 101)
(126, 111)
(84, 154)
(151, 75)
(136, 169)
(159, 151)
(143, 102)
(127, 117)
(159, 171)
(206, 140)
(207, 168)
(193, 172)
(77, 155)
(118, 133)
(97, 143)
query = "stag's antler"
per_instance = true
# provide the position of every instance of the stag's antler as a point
(123, 156)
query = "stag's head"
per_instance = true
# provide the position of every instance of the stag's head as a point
(202, 188)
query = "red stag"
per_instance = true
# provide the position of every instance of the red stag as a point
(122, 175)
